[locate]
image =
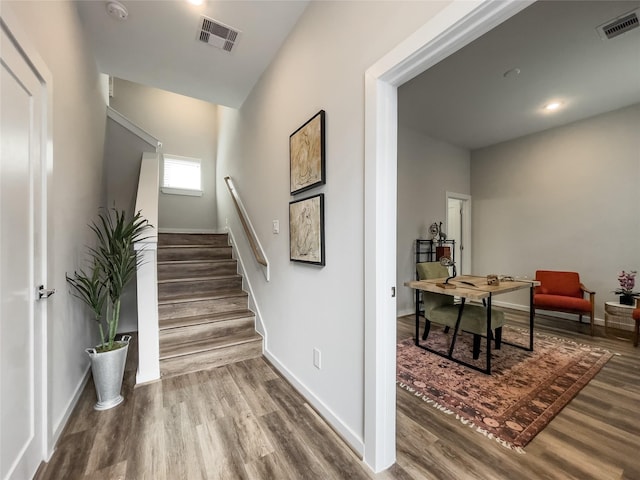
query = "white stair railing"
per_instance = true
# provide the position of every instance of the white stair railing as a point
(147, 274)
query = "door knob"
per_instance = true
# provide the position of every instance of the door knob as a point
(44, 292)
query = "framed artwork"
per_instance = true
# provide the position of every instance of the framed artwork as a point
(306, 230)
(306, 155)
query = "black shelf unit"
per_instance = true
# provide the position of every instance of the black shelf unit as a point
(426, 250)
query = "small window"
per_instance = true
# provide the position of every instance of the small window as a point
(181, 176)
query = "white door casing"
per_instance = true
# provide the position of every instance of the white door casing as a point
(23, 241)
(460, 23)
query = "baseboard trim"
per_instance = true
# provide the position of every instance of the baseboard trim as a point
(343, 431)
(190, 230)
(62, 422)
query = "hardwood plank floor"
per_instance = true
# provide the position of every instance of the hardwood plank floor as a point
(244, 421)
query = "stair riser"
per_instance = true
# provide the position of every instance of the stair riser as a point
(201, 307)
(194, 253)
(178, 270)
(217, 332)
(170, 290)
(211, 359)
(218, 239)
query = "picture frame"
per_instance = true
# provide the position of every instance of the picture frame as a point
(306, 230)
(307, 155)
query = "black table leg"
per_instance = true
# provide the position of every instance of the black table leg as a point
(489, 335)
(531, 315)
(455, 330)
(417, 316)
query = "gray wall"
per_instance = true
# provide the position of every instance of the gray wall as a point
(427, 169)
(321, 65)
(563, 199)
(76, 190)
(186, 127)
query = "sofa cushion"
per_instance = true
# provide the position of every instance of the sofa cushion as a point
(559, 302)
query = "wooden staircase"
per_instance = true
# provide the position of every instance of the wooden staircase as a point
(203, 311)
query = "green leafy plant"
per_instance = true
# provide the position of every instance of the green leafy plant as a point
(114, 262)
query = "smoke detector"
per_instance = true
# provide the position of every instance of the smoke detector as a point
(117, 10)
(619, 25)
(217, 34)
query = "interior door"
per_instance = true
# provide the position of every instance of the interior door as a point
(459, 229)
(22, 111)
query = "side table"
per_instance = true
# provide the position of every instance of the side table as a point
(616, 312)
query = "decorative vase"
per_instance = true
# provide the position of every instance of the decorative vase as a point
(107, 369)
(626, 300)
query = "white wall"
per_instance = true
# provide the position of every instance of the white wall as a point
(563, 199)
(186, 127)
(320, 66)
(79, 115)
(427, 169)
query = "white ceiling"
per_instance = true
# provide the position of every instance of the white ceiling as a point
(465, 100)
(157, 44)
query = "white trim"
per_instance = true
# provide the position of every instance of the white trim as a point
(181, 191)
(133, 128)
(457, 25)
(343, 430)
(253, 305)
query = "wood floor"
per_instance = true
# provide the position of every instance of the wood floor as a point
(244, 421)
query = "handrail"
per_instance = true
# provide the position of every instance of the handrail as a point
(147, 273)
(258, 253)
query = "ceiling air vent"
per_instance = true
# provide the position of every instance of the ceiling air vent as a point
(217, 34)
(620, 25)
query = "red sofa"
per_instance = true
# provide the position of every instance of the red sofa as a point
(563, 292)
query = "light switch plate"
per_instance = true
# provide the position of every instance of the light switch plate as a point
(276, 226)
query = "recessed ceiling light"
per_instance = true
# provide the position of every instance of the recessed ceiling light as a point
(550, 107)
(196, 2)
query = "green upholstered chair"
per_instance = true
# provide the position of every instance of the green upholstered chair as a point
(440, 309)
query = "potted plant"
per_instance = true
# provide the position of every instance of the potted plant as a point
(113, 264)
(627, 281)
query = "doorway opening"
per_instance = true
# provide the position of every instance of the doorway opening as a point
(457, 25)
(459, 228)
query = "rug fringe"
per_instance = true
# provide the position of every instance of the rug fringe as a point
(462, 420)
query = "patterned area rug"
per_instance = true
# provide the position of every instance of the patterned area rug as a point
(521, 396)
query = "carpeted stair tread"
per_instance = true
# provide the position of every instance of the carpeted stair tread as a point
(201, 297)
(206, 344)
(201, 319)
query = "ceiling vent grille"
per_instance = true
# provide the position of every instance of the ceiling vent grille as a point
(217, 34)
(620, 25)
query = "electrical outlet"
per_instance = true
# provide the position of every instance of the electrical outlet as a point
(317, 359)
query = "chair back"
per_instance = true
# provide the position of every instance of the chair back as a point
(552, 282)
(430, 271)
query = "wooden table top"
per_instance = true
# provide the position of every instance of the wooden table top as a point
(470, 286)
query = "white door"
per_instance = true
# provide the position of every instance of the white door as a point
(22, 108)
(459, 229)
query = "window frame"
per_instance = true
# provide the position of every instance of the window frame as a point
(179, 190)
